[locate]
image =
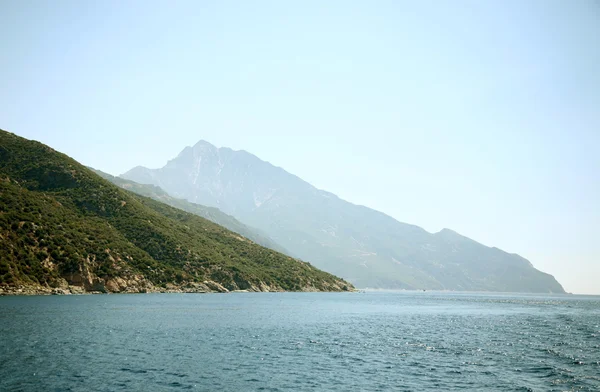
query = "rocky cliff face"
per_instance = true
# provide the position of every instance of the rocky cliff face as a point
(364, 246)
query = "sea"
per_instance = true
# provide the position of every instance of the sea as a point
(360, 341)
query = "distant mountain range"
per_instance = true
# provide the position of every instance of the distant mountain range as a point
(365, 246)
(65, 229)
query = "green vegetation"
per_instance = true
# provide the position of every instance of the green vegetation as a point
(212, 214)
(61, 221)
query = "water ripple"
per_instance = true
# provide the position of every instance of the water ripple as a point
(303, 341)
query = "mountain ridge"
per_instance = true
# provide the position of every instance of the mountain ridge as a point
(366, 246)
(211, 213)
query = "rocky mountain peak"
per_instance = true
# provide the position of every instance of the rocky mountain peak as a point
(204, 146)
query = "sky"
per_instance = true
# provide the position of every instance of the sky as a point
(479, 116)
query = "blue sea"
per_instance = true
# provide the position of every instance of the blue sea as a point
(365, 341)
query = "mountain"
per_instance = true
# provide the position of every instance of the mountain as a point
(211, 213)
(63, 227)
(364, 246)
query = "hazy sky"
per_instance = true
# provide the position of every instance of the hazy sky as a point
(479, 116)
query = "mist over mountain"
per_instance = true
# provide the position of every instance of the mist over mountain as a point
(367, 247)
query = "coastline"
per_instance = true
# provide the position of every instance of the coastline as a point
(203, 288)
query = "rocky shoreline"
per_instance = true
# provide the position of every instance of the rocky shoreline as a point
(78, 290)
(198, 288)
(84, 281)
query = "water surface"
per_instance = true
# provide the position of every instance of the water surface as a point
(374, 341)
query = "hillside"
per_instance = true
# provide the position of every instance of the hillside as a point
(63, 227)
(211, 213)
(364, 246)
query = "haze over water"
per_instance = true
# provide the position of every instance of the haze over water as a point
(374, 341)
